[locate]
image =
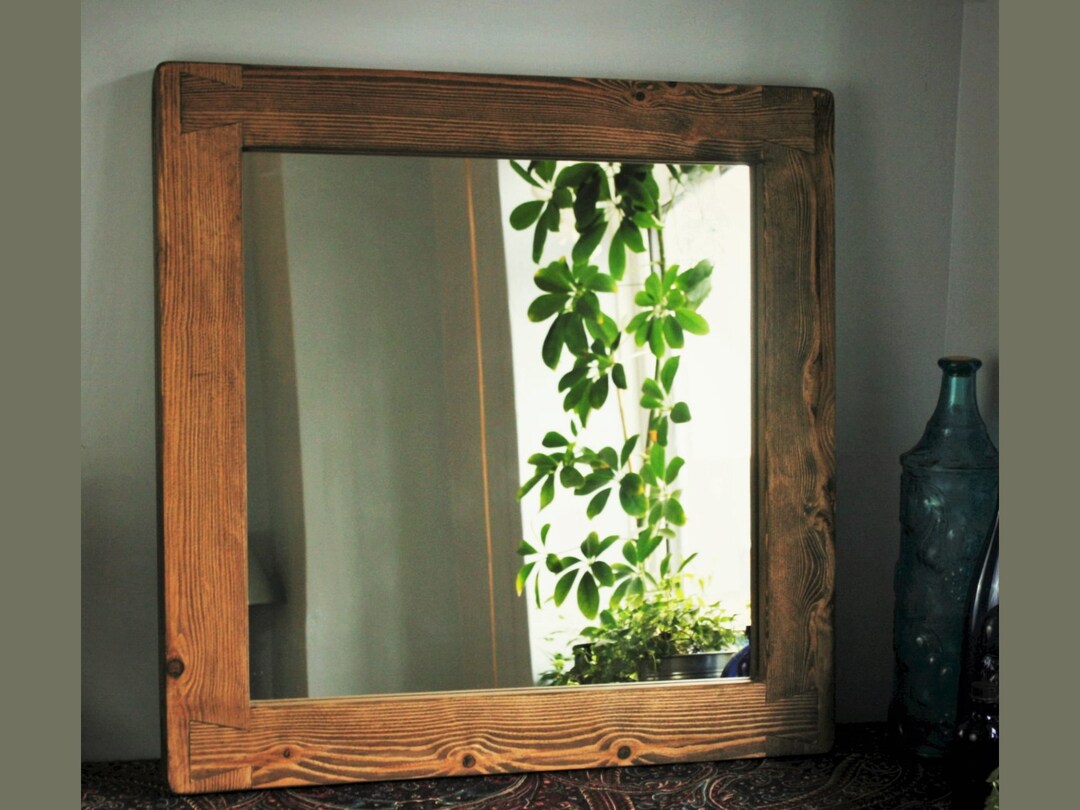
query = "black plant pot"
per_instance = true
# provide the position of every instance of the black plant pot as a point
(686, 666)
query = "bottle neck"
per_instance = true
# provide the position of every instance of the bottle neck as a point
(957, 405)
(955, 435)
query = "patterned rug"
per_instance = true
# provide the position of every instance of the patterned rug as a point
(860, 772)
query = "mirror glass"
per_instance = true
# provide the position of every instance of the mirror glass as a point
(437, 502)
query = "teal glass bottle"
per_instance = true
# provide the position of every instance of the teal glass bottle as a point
(948, 502)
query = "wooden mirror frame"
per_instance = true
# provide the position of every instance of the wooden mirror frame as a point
(215, 737)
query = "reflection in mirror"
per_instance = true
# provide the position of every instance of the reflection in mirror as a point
(397, 391)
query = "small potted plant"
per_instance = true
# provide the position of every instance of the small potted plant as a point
(668, 635)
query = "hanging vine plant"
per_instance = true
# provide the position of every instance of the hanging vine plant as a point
(622, 203)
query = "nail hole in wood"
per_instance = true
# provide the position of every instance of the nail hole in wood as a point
(468, 760)
(624, 752)
(174, 667)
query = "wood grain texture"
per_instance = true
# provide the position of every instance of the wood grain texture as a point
(203, 497)
(216, 738)
(457, 734)
(307, 109)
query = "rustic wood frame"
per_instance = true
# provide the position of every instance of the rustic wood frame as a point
(215, 737)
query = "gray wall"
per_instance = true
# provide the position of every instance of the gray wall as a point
(914, 82)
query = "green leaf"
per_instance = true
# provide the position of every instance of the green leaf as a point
(636, 322)
(523, 490)
(641, 195)
(528, 178)
(582, 410)
(646, 545)
(554, 277)
(587, 243)
(554, 563)
(662, 431)
(563, 586)
(606, 543)
(523, 576)
(598, 502)
(629, 552)
(586, 214)
(603, 573)
(656, 339)
(691, 321)
(575, 174)
(608, 456)
(574, 375)
(571, 478)
(695, 282)
(577, 393)
(589, 545)
(656, 460)
(673, 333)
(631, 237)
(554, 439)
(602, 282)
(674, 513)
(632, 495)
(680, 413)
(547, 491)
(619, 594)
(644, 219)
(643, 298)
(603, 329)
(594, 481)
(588, 306)
(651, 388)
(539, 237)
(526, 214)
(543, 462)
(546, 305)
(550, 216)
(588, 596)
(649, 477)
(628, 448)
(652, 287)
(650, 184)
(545, 169)
(562, 198)
(641, 334)
(673, 469)
(655, 512)
(618, 376)
(617, 256)
(574, 333)
(686, 562)
(525, 549)
(553, 343)
(598, 393)
(668, 372)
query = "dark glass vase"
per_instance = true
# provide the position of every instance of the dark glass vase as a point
(948, 501)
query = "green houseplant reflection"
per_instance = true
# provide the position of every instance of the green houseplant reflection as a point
(642, 600)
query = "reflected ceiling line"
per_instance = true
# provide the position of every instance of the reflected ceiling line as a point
(475, 271)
